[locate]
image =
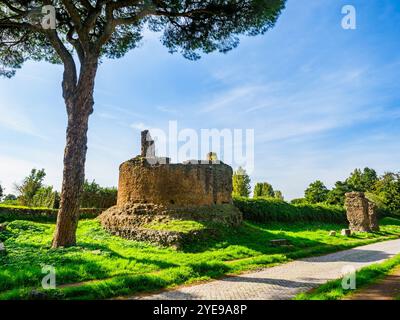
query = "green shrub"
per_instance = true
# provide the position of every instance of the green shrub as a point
(299, 201)
(241, 183)
(95, 196)
(275, 210)
(10, 213)
(45, 197)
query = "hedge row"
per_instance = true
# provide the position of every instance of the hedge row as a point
(10, 213)
(258, 210)
(275, 210)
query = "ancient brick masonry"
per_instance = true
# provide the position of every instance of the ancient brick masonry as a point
(174, 185)
(361, 213)
(151, 189)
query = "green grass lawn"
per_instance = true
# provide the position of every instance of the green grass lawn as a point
(104, 266)
(183, 226)
(333, 290)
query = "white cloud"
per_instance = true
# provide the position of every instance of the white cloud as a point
(13, 118)
(232, 98)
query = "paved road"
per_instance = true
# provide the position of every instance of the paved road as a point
(284, 281)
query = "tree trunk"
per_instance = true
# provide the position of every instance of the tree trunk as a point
(79, 106)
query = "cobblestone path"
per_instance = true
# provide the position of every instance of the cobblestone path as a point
(283, 281)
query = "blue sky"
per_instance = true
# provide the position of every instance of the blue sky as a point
(321, 100)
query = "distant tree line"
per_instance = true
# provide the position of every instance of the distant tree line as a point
(32, 192)
(383, 190)
(242, 188)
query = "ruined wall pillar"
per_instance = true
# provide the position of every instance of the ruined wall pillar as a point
(357, 212)
(373, 217)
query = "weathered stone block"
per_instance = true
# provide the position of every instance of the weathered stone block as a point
(357, 212)
(279, 242)
(346, 232)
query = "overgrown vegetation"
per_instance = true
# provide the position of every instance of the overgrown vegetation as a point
(270, 209)
(104, 266)
(333, 290)
(95, 196)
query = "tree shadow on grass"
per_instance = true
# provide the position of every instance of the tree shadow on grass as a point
(23, 264)
(254, 237)
(114, 254)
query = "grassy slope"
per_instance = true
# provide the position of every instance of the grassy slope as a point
(123, 267)
(183, 226)
(333, 290)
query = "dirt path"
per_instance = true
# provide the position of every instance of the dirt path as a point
(385, 289)
(283, 281)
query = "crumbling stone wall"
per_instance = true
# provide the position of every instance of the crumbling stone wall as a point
(174, 185)
(373, 217)
(361, 213)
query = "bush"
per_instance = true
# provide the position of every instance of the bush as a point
(275, 210)
(10, 213)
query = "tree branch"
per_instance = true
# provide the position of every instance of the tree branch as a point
(70, 74)
(73, 12)
(12, 8)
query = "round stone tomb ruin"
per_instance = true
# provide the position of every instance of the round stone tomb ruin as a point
(153, 192)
